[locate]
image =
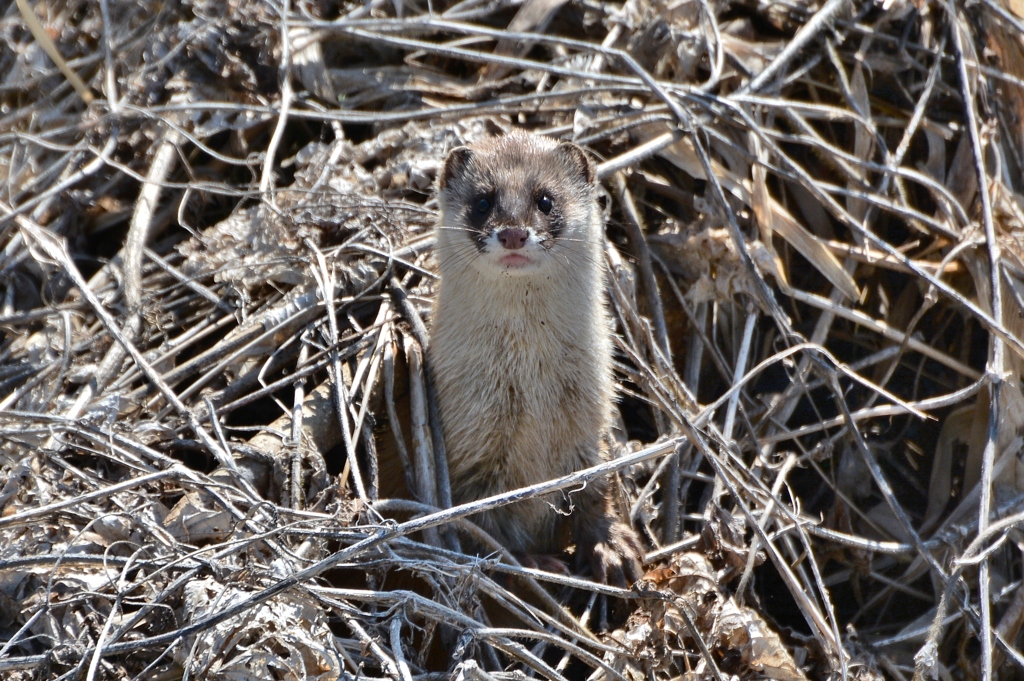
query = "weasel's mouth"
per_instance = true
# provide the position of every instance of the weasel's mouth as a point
(514, 260)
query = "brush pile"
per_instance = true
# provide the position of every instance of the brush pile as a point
(216, 275)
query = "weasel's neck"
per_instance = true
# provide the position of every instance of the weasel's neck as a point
(566, 301)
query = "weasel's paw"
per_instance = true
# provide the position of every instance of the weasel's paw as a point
(543, 561)
(616, 560)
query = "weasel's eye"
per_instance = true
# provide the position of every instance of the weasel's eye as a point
(544, 204)
(483, 206)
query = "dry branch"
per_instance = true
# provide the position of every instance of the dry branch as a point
(216, 281)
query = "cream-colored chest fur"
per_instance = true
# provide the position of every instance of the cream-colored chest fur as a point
(522, 368)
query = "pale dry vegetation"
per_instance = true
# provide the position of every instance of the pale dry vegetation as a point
(215, 286)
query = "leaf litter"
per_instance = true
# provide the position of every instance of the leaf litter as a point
(216, 275)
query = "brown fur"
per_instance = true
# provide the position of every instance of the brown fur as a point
(521, 353)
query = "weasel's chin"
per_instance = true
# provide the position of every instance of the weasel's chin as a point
(514, 261)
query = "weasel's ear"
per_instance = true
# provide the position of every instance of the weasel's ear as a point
(455, 164)
(579, 160)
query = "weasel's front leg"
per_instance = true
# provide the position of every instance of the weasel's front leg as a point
(604, 543)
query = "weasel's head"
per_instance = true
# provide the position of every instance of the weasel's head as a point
(517, 205)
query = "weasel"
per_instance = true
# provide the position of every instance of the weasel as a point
(520, 345)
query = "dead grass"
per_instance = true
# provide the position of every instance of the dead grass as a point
(216, 276)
